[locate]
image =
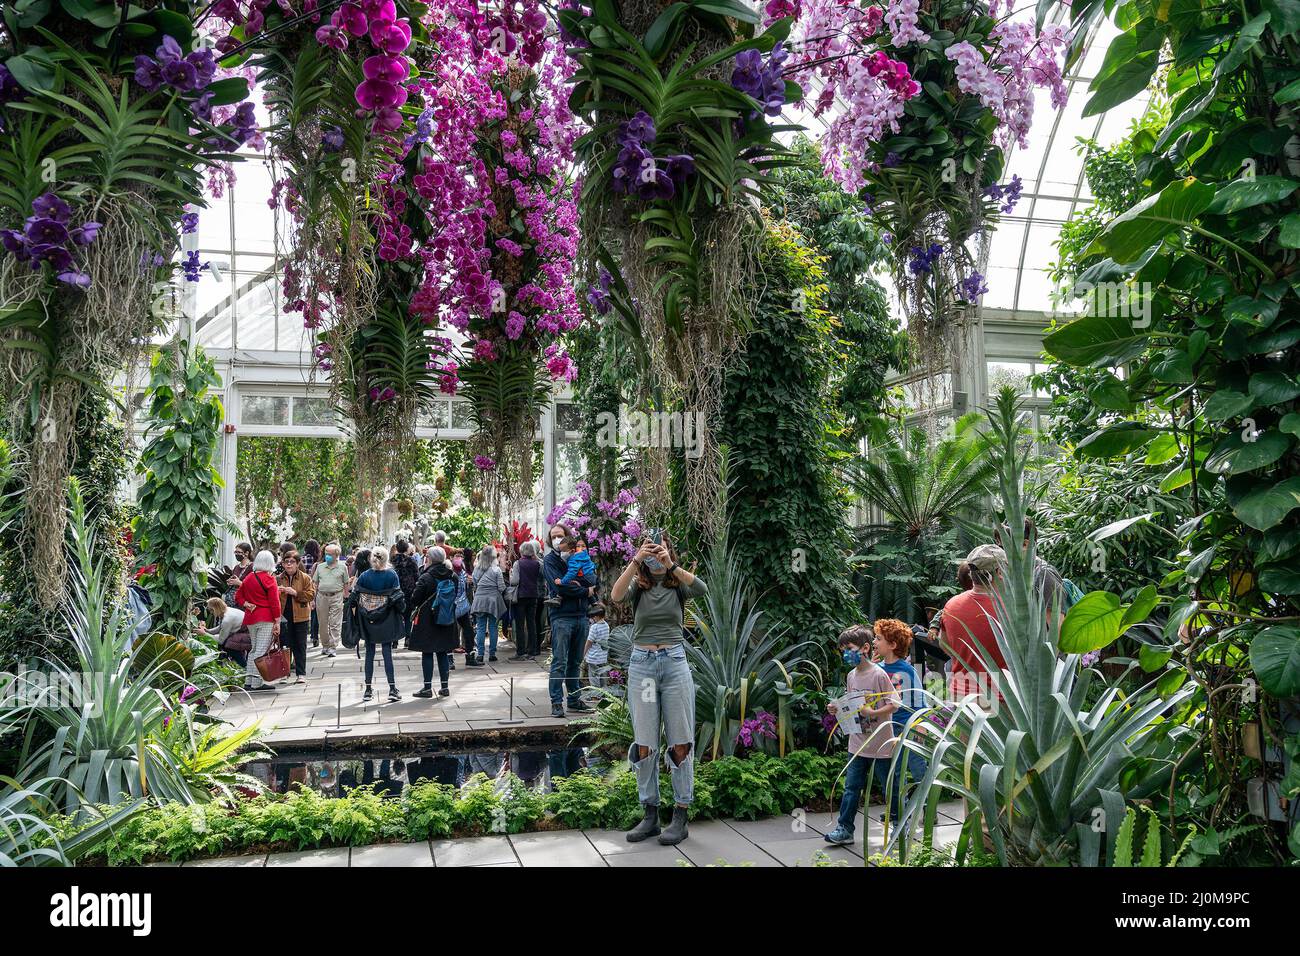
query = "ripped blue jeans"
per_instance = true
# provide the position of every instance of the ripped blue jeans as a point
(661, 695)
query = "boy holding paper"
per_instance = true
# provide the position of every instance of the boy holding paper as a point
(870, 749)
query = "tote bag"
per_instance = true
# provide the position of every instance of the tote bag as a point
(275, 663)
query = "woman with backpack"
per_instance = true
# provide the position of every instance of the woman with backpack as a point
(433, 628)
(377, 611)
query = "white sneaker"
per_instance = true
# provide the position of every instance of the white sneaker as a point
(300, 680)
(331, 653)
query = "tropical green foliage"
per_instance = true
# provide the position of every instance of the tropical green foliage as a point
(179, 498)
(1040, 769)
(867, 342)
(748, 788)
(1210, 247)
(740, 663)
(927, 491)
(121, 737)
(785, 509)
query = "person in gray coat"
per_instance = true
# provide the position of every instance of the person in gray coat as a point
(489, 603)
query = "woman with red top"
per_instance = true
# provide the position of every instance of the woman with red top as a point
(259, 596)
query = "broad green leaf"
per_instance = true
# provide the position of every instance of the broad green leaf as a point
(1244, 193)
(1153, 219)
(1225, 403)
(1152, 658)
(1273, 388)
(1115, 527)
(1100, 340)
(1116, 440)
(1092, 623)
(1275, 655)
(1280, 579)
(1266, 507)
(1143, 604)
(1111, 393)
(1245, 451)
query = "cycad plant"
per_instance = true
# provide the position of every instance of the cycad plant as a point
(925, 492)
(1046, 779)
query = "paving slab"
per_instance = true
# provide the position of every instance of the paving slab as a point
(713, 841)
(806, 853)
(394, 854)
(331, 856)
(257, 859)
(559, 848)
(774, 829)
(654, 856)
(474, 851)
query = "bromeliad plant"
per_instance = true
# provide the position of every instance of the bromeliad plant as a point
(111, 114)
(1194, 294)
(680, 101)
(923, 98)
(1045, 775)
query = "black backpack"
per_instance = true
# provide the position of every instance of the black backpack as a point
(408, 573)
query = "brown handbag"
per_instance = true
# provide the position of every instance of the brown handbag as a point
(275, 663)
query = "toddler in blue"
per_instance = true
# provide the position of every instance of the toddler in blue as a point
(578, 565)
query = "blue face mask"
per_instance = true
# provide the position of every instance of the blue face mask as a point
(851, 657)
(329, 559)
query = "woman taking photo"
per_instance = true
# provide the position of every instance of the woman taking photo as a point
(259, 596)
(489, 602)
(377, 609)
(437, 586)
(661, 690)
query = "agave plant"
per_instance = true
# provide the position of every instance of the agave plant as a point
(29, 838)
(110, 742)
(1045, 778)
(738, 667)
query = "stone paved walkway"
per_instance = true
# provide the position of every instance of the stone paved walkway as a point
(297, 715)
(794, 840)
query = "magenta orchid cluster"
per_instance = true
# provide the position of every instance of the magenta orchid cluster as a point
(384, 90)
(609, 527)
(47, 237)
(492, 164)
(485, 462)
(753, 730)
(858, 49)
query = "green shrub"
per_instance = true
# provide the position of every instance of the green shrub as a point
(740, 787)
(580, 800)
(430, 810)
(747, 788)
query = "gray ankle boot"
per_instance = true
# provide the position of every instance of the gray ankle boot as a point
(648, 826)
(676, 831)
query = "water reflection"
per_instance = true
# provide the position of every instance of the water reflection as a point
(389, 774)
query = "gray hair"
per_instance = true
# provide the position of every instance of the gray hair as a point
(440, 537)
(438, 556)
(529, 548)
(379, 558)
(265, 561)
(487, 556)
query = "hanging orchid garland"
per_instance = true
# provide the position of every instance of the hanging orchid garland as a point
(111, 114)
(923, 98)
(500, 268)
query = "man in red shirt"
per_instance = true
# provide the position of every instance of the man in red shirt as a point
(968, 624)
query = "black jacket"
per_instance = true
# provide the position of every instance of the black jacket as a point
(384, 626)
(427, 636)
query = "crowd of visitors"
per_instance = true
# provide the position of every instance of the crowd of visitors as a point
(443, 600)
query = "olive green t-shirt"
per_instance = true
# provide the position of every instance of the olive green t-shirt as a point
(658, 616)
(330, 579)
